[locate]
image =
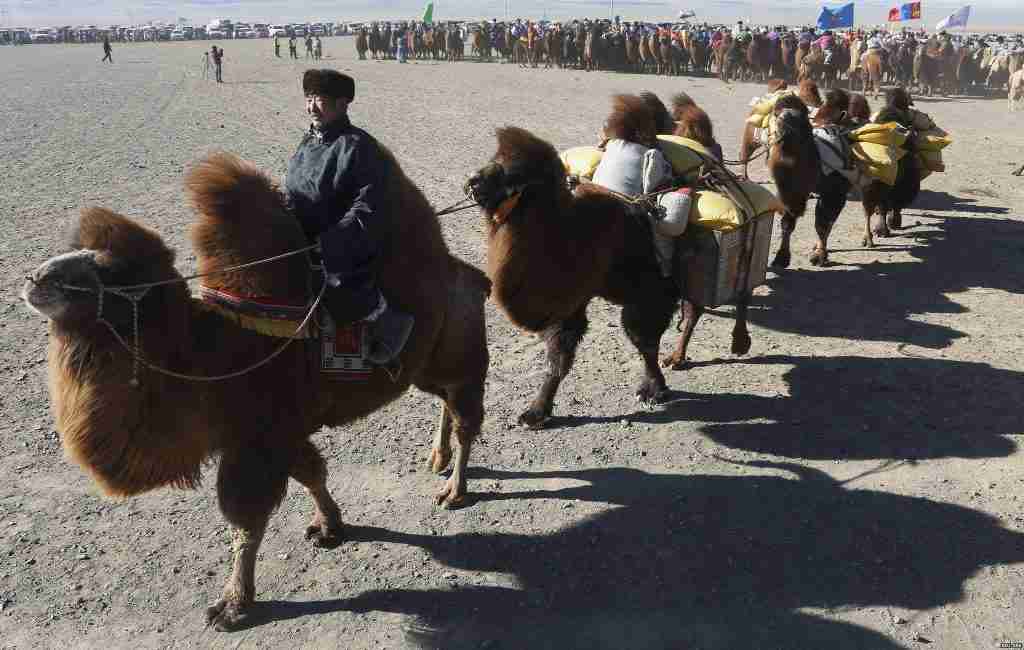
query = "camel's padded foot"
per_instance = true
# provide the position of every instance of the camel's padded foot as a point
(227, 616)
(782, 260)
(894, 221)
(451, 496)
(651, 392)
(674, 362)
(534, 418)
(323, 535)
(818, 257)
(439, 459)
(741, 343)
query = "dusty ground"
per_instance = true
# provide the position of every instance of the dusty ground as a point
(855, 482)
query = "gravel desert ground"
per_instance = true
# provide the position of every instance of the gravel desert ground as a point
(856, 481)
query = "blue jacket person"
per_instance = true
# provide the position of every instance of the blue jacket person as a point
(335, 184)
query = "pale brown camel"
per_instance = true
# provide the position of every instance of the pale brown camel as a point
(163, 431)
(872, 74)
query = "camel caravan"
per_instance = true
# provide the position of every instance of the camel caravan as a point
(150, 384)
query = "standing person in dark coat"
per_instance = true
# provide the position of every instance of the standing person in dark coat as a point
(292, 52)
(335, 184)
(218, 58)
(107, 50)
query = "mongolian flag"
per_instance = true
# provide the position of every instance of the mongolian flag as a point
(910, 11)
(894, 15)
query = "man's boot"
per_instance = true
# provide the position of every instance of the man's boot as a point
(385, 334)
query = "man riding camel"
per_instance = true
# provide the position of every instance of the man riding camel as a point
(334, 185)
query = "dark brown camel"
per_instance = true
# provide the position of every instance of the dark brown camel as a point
(793, 163)
(165, 430)
(885, 201)
(535, 224)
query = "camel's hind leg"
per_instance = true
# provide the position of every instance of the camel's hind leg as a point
(309, 469)
(465, 410)
(691, 313)
(441, 450)
(562, 341)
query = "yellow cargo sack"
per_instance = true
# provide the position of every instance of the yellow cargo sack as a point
(878, 148)
(716, 211)
(684, 154)
(582, 161)
(764, 106)
(933, 140)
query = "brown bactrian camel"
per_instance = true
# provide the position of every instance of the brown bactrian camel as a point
(162, 431)
(552, 250)
(887, 201)
(872, 75)
(793, 162)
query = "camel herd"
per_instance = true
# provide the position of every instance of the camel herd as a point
(931, 66)
(130, 348)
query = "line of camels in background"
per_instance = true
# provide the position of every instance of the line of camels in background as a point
(934, 66)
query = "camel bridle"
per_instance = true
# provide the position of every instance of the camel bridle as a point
(136, 293)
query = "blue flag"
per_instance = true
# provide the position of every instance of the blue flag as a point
(836, 18)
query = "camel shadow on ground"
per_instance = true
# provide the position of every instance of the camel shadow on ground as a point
(929, 201)
(882, 301)
(857, 408)
(699, 561)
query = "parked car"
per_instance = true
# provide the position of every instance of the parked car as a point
(278, 30)
(43, 37)
(177, 36)
(244, 33)
(215, 33)
(299, 31)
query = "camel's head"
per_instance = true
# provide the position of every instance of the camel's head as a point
(791, 111)
(107, 250)
(898, 98)
(523, 160)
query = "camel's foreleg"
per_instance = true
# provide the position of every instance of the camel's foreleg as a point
(231, 611)
(251, 482)
(562, 341)
(645, 321)
(783, 257)
(832, 191)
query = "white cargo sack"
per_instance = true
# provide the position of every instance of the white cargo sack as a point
(833, 149)
(674, 210)
(621, 168)
(657, 171)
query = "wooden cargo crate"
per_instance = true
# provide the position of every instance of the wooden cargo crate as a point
(712, 280)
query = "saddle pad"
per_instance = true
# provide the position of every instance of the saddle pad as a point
(340, 349)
